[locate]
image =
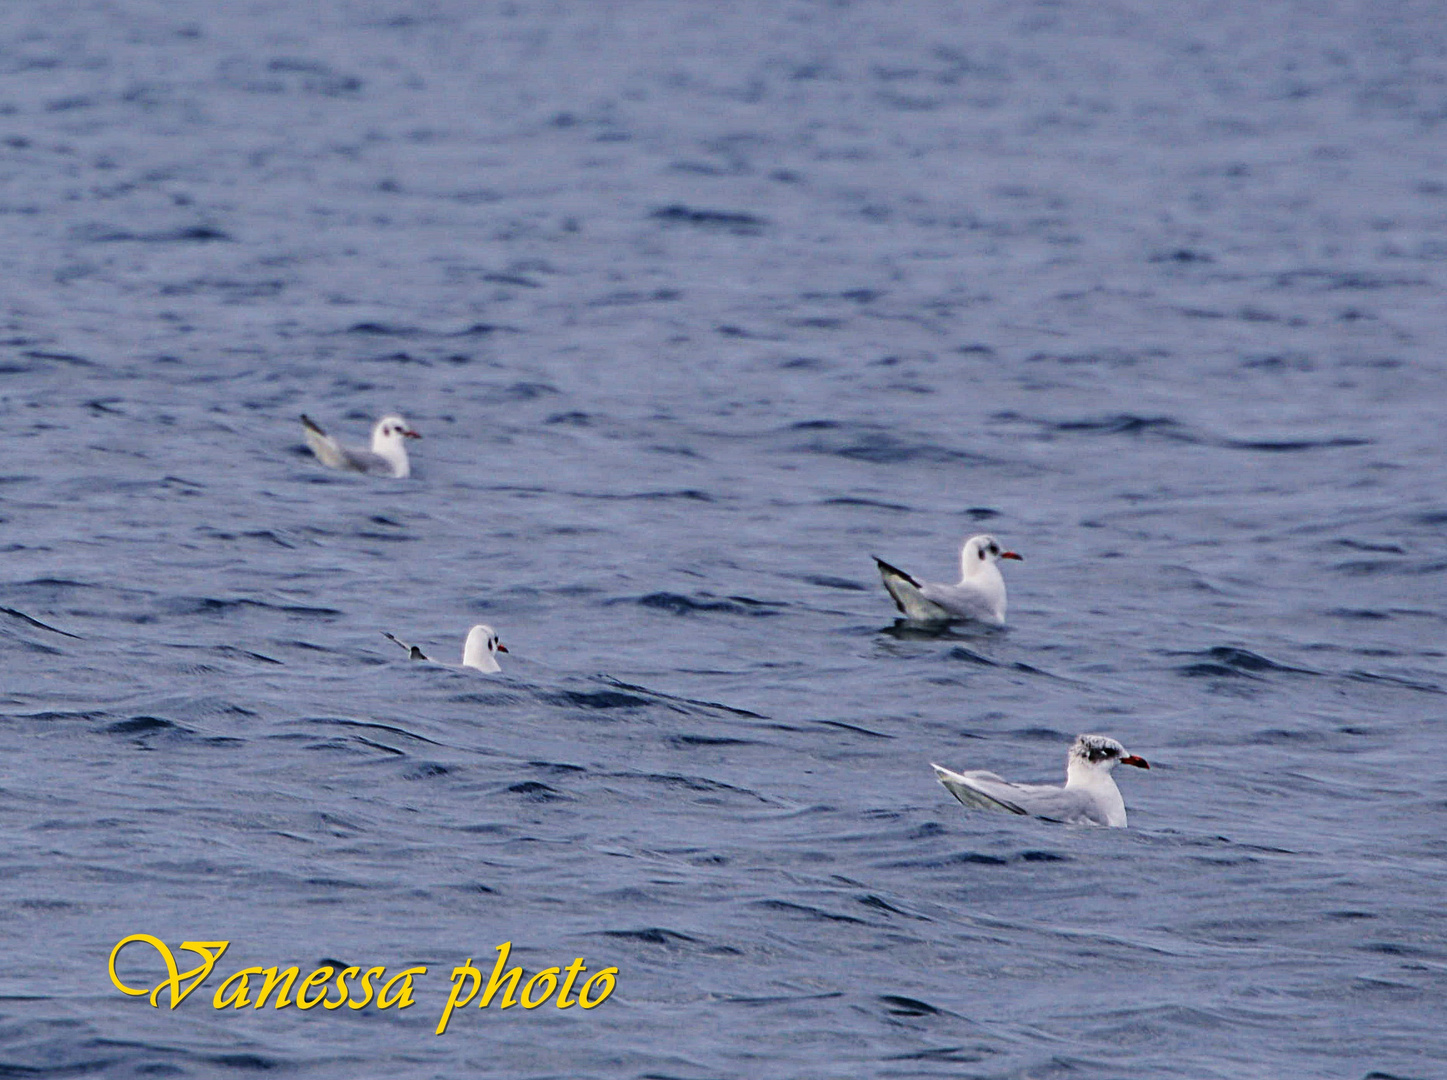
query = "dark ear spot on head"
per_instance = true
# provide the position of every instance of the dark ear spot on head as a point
(982, 553)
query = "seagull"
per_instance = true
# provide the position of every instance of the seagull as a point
(388, 456)
(477, 652)
(979, 595)
(1089, 796)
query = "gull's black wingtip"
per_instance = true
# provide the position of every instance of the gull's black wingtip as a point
(886, 568)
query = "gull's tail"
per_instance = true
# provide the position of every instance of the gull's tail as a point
(413, 652)
(327, 449)
(905, 591)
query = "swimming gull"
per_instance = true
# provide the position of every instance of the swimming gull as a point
(478, 651)
(979, 595)
(388, 456)
(1089, 796)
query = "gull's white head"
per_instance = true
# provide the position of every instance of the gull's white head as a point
(480, 649)
(981, 551)
(388, 435)
(1088, 768)
(1098, 754)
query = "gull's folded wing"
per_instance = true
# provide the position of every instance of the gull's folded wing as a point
(987, 791)
(983, 790)
(907, 595)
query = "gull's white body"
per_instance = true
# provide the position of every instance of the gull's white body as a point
(387, 457)
(980, 594)
(480, 649)
(1089, 796)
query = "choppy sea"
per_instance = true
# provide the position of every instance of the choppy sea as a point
(697, 308)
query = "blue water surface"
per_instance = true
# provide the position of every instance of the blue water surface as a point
(698, 307)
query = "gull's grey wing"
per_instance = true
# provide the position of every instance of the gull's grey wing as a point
(909, 595)
(1071, 807)
(982, 790)
(959, 602)
(364, 461)
(986, 791)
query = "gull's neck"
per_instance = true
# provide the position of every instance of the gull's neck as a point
(982, 573)
(1080, 773)
(1085, 776)
(395, 451)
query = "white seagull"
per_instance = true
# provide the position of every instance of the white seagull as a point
(979, 595)
(388, 456)
(1089, 796)
(478, 651)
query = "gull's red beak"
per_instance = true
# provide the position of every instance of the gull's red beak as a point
(413, 435)
(1010, 555)
(1136, 760)
(501, 647)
